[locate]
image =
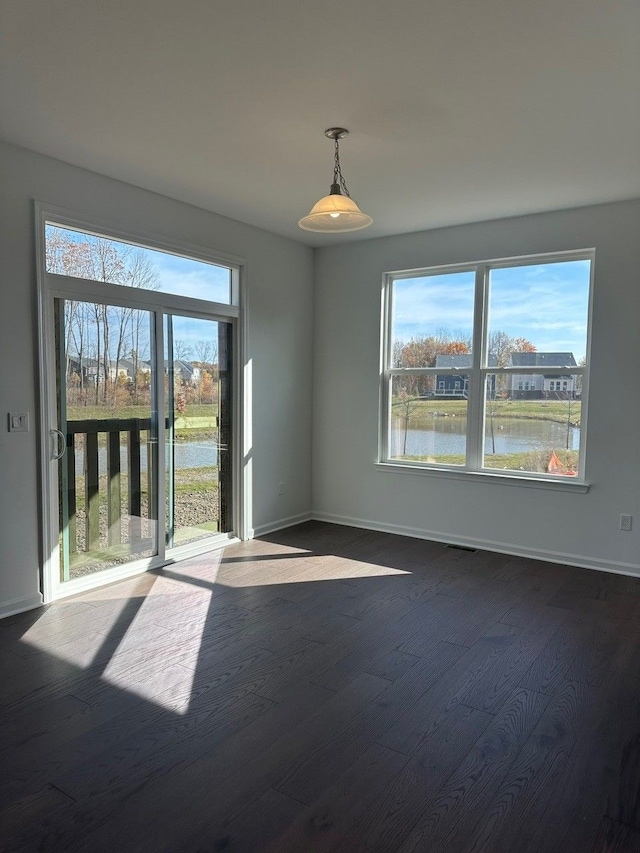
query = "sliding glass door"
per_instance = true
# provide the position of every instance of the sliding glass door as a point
(138, 389)
(108, 433)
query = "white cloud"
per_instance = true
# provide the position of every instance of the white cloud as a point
(545, 303)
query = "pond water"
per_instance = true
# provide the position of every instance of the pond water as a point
(188, 454)
(437, 437)
(447, 437)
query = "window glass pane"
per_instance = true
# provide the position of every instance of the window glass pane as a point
(538, 314)
(535, 337)
(82, 255)
(533, 425)
(196, 399)
(432, 315)
(431, 426)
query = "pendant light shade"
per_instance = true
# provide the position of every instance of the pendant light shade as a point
(337, 211)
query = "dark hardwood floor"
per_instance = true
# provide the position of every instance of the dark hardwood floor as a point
(327, 689)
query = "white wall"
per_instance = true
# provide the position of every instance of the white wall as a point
(344, 320)
(280, 344)
(580, 528)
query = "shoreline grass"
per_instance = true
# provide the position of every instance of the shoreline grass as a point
(533, 461)
(556, 411)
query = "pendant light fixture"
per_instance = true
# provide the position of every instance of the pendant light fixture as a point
(337, 211)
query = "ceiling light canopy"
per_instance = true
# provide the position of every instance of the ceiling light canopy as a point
(337, 211)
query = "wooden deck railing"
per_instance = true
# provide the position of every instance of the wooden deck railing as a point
(133, 430)
(113, 428)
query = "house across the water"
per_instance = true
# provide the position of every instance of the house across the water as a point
(515, 386)
(456, 385)
(539, 386)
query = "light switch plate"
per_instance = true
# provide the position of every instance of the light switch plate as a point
(18, 421)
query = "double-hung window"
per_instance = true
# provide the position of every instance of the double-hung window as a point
(485, 366)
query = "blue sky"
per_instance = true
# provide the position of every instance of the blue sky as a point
(545, 303)
(195, 279)
(199, 280)
(191, 332)
(180, 276)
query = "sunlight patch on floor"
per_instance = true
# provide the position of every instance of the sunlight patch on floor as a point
(328, 570)
(121, 642)
(166, 685)
(203, 568)
(135, 640)
(51, 632)
(155, 663)
(243, 556)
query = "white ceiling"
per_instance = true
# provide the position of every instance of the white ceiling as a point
(459, 110)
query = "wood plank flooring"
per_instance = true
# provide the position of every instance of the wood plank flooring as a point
(327, 689)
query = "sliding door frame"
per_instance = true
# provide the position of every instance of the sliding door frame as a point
(52, 286)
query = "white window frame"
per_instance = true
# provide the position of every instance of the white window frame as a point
(51, 286)
(477, 377)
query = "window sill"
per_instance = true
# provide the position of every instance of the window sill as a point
(506, 479)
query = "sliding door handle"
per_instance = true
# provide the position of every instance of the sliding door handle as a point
(59, 445)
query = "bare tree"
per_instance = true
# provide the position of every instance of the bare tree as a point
(405, 405)
(181, 350)
(502, 345)
(101, 331)
(204, 352)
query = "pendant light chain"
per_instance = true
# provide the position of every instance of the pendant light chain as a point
(337, 171)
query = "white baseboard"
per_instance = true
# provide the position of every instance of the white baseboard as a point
(578, 560)
(20, 605)
(280, 524)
